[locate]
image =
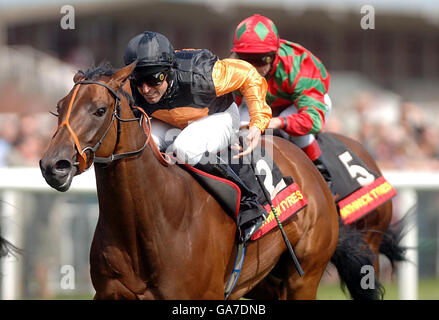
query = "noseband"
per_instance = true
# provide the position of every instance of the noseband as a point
(82, 161)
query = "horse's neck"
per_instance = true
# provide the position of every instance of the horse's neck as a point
(131, 189)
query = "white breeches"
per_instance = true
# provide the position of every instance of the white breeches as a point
(300, 141)
(212, 134)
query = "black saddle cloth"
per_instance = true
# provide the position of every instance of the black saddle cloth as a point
(226, 192)
(332, 149)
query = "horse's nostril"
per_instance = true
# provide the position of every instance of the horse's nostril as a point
(62, 165)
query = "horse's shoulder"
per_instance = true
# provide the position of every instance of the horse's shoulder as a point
(181, 178)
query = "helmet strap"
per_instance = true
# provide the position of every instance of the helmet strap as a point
(171, 83)
(268, 75)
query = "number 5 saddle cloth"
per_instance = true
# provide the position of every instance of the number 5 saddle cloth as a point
(359, 190)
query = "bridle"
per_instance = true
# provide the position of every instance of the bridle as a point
(82, 157)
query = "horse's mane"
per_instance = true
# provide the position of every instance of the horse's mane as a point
(104, 69)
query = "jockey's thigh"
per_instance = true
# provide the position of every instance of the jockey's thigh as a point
(300, 141)
(305, 140)
(163, 134)
(212, 134)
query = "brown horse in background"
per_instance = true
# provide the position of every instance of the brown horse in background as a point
(376, 232)
(160, 235)
(375, 229)
(376, 225)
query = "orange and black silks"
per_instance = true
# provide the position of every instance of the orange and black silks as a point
(201, 84)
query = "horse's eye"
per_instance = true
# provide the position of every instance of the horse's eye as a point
(100, 112)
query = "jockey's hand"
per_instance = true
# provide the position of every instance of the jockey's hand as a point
(250, 141)
(275, 123)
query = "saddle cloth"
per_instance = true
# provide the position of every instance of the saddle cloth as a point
(286, 197)
(360, 190)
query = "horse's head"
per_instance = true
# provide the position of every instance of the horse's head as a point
(86, 126)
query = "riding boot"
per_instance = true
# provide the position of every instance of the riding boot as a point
(321, 165)
(251, 213)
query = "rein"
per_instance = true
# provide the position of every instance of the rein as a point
(82, 161)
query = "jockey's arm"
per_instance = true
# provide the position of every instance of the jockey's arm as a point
(309, 119)
(232, 74)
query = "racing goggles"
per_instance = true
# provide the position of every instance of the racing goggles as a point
(257, 59)
(151, 80)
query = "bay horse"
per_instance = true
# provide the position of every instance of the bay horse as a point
(376, 226)
(160, 235)
(376, 230)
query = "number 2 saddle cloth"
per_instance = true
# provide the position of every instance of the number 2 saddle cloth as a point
(359, 190)
(285, 194)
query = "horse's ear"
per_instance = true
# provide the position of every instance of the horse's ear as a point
(78, 76)
(121, 75)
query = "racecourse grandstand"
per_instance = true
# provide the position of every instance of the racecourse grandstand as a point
(396, 62)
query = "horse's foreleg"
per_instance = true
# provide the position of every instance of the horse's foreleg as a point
(114, 290)
(270, 288)
(291, 287)
(314, 253)
(302, 288)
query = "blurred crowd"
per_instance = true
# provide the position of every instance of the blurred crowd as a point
(23, 139)
(410, 142)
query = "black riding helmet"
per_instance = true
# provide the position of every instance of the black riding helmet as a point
(150, 49)
(155, 57)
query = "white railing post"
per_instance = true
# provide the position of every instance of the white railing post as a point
(408, 270)
(12, 230)
(437, 250)
(14, 183)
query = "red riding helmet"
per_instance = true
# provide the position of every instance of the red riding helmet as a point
(256, 34)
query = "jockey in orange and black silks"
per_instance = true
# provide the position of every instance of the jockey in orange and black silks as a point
(298, 84)
(189, 95)
(199, 85)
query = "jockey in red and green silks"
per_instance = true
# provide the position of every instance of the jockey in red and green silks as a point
(298, 82)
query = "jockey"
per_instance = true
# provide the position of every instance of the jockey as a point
(298, 84)
(188, 93)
